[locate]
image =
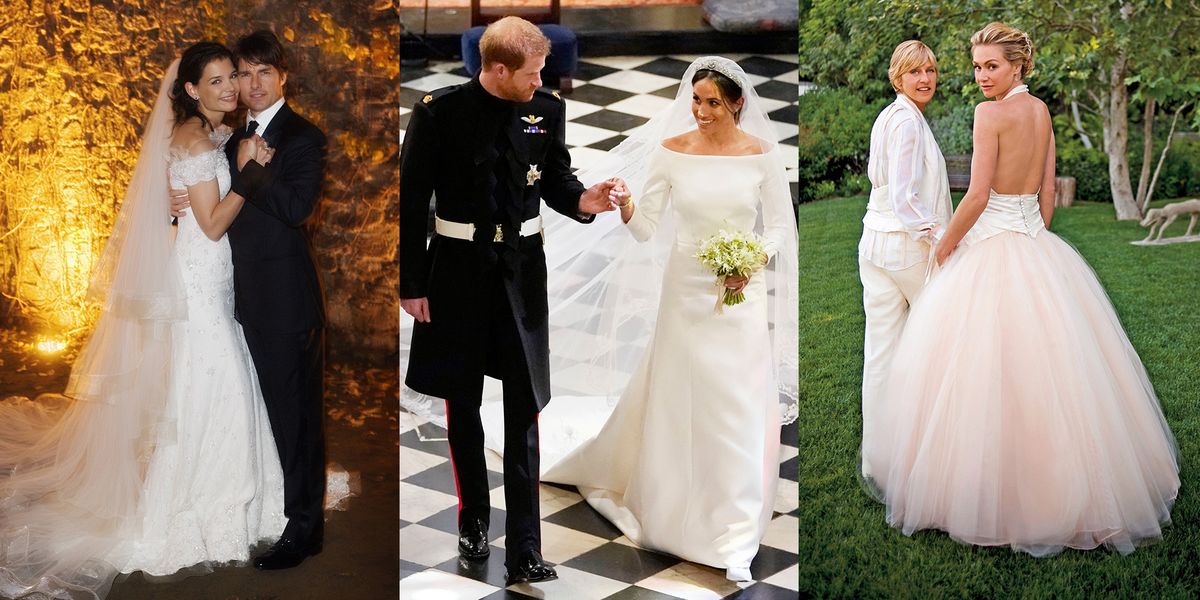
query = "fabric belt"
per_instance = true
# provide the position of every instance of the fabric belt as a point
(467, 231)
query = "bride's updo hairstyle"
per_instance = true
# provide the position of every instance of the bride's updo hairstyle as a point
(730, 91)
(191, 67)
(1016, 45)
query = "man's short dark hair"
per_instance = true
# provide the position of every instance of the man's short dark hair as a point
(262, 48)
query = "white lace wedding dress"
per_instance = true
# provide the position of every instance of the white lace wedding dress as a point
(211, 486)
(687, 463)
(216, 489)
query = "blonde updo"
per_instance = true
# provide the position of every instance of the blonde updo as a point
(906, 57)
(1014, 43)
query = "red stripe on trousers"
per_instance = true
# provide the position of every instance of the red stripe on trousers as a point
(453, 467)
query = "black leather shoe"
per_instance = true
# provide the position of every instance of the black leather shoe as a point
(530, 569)
(286, 553)
(472, 540)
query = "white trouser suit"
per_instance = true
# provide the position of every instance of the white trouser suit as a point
(909, 204)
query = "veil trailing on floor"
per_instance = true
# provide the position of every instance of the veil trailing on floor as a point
(72, 465)
(604, 287)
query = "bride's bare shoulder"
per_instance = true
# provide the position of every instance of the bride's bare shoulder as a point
(191, 137)
(989, 115)
(752, 144)
(679, 143)
(1041, 105)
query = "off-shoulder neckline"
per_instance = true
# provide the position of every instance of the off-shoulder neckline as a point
(712, 155)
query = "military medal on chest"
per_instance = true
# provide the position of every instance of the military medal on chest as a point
(533, 121)
(533, 175)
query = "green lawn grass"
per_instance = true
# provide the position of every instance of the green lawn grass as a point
(846, 548)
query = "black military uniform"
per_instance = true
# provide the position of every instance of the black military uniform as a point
(488, 162)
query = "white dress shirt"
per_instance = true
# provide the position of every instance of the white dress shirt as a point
(910, 195)
(264, 118)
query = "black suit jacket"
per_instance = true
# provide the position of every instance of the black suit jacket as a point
(276, 285)
(450, 152)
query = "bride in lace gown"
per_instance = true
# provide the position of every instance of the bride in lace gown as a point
(666, 414)
(1019, 413)
(159, 457)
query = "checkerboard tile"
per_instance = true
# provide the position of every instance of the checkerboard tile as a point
(592, 557)
(612, 95)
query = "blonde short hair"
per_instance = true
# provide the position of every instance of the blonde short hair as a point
(906, 57)
(510, 41)
(1014, 43)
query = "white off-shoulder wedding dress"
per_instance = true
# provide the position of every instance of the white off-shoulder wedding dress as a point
(687, 463)
(211, 486)
(214, 489)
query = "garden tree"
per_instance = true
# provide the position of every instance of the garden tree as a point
(847, 43)
(1145, 190)
(1090, 53)
(833, 140)
(1169, 83)
(1147, 44)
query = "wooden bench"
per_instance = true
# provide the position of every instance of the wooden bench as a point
(958, 170)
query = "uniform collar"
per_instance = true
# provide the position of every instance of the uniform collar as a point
(486, 97)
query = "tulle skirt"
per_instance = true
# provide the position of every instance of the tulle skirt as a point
(1018, 413)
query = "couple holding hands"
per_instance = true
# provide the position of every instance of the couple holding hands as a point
(666, 413)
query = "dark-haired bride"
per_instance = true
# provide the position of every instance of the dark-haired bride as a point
(667, 412)
(159, 456)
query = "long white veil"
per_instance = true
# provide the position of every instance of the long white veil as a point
(72, 465)
(603, 287)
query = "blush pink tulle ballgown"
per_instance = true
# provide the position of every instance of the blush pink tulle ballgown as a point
(1018, 413)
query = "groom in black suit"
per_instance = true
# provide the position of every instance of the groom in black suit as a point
(490, 150)
(277, 291)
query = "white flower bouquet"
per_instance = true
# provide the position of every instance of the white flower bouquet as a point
(732, 254)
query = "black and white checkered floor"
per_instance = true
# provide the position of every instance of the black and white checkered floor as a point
(618, 93)
(593, 559)
(612, 96)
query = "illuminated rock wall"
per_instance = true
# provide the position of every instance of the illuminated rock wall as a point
(78, 77)
(76, 80)
(345, 75)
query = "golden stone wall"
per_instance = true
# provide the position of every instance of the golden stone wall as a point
(76, 80)
(345, 73)
(78, 77)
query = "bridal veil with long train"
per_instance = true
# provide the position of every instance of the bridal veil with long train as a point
(159, 456)
(666, 414)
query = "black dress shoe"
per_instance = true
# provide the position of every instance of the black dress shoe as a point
(530, 569)
(472, 540)
(287, 553)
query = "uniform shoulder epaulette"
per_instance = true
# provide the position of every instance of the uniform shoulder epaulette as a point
(546, 92)
(433, 96)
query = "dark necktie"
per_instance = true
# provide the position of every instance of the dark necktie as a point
(251, 127)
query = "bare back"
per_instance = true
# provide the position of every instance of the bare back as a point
(1023, 137)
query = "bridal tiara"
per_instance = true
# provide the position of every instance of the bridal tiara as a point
(723, 66)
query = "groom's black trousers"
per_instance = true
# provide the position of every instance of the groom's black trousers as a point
(522, 522)
(290, 368)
